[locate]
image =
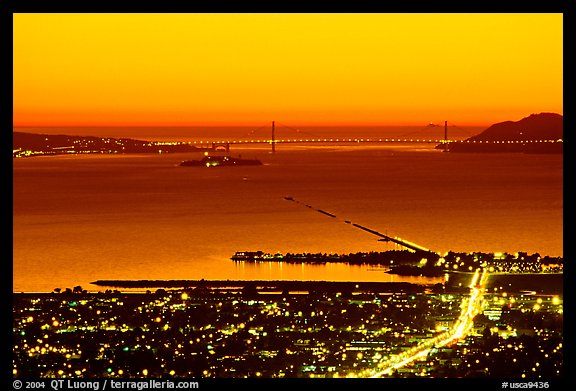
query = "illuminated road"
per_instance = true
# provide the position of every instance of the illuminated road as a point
(471, 306)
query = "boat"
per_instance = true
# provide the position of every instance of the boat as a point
(214, 161)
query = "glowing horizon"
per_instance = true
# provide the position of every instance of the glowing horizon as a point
(315, 69)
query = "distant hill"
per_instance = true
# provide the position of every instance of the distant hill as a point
(543, 126)
(32, 144)
(525, 135)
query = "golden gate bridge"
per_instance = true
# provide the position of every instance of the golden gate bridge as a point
(421, 136)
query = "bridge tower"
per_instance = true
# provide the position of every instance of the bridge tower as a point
(445, 136)
(273, 142)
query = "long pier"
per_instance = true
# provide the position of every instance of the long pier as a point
(385, 238)
(397, 240)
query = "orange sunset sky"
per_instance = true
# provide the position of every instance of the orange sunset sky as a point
(317, 69)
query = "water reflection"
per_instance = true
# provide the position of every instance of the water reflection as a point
(323, 272)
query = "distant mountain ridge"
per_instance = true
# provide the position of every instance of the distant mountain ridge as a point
(537, 133)
(543, 126)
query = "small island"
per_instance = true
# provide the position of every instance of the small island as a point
(215, 161)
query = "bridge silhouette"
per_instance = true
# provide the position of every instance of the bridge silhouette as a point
(268, 135)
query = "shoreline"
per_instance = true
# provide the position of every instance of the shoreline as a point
(266, 285)
(456, 282)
